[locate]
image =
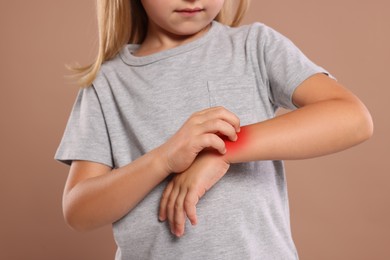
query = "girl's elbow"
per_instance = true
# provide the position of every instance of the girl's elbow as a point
(74, 219)
(366, 125)
(73, 222)
(369, 127)
(77, 224)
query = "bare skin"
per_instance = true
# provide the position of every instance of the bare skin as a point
(330, 119)
(92, 187)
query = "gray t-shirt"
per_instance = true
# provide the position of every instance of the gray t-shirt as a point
(136, 103)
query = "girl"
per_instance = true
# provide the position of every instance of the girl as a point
(178, 103)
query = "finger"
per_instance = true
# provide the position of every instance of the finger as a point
(162, 215)
(221, 113)
(171, 207)
(220, 126)
(211, 140)
(179, 215)
(190, 203)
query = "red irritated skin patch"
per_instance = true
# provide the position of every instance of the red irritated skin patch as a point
(233, 147)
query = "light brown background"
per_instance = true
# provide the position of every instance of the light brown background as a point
(339, 204)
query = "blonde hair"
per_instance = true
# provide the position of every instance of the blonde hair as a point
(121, 22)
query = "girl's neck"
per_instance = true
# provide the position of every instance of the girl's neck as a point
(158, 40)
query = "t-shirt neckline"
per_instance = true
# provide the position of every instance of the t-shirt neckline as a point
(128, 58)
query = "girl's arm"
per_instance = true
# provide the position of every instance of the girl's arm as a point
(330, 119)
(96, 195)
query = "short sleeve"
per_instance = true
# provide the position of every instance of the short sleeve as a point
(86, 136)
(285, 65)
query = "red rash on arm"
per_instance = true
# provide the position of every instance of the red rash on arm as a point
(234, 147)
(329, 119)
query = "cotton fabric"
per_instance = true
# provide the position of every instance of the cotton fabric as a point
(137, 103)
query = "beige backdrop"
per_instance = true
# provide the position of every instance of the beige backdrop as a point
(340, 204)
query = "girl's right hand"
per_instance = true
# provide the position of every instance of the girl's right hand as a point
(204, 129)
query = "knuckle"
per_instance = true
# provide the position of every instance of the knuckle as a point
(164, 196)
(195, 117)
(219, 110)
(216, 123)
(222, 125)
(177, 205)
(170, 205)
(188, 203)
(207, 140)
(178, 222)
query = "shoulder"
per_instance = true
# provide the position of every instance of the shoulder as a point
(252, 33)
(111, 66)
(264, 34)
(109, 71)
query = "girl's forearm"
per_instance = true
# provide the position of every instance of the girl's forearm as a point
(102, 200)
(95, 196)
(314, 130)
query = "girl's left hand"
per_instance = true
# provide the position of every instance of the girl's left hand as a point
(183, 192)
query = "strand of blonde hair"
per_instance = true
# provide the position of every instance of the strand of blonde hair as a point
(124, 21)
